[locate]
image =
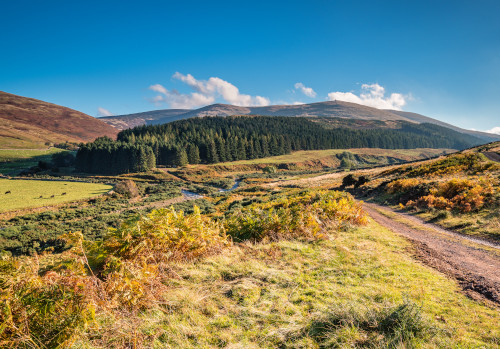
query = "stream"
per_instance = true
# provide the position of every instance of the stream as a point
(193, 196)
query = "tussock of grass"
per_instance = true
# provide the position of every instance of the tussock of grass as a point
(392, 327)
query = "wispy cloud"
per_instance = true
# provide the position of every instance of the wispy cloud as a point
(308, 91)
(372, 96)
(495, 130)
(104, 112)
(205, 92)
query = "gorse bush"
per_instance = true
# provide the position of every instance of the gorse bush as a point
(306, 215)
(462, 194)
(402, 185)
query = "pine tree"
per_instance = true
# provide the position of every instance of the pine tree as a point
(193, 154)
(181, 158)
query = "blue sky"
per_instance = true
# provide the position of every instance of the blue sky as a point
(438, 58)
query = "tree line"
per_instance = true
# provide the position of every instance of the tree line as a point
(219, 139)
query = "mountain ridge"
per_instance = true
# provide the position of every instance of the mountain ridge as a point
(328, 109)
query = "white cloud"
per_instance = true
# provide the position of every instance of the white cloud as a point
(206, 93)
(495, 130)
(372, 96)
(104, 112)
(178, 100)
(308, 91)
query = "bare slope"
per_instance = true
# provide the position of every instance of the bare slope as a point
(29, 123)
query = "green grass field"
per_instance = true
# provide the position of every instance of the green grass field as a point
(13, 161)
(19, 154)
(311, 155)
(35, 193)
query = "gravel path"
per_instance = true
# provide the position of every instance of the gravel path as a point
(474, 263)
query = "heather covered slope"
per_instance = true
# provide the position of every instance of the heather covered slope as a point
(29, 123)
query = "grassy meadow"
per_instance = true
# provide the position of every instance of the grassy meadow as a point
(331, 154)
(12, 161)
(16, 194)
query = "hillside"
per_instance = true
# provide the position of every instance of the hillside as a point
(30, 123)
(377, 118)
(220, 139)
(123, 122)
(421, 118)
(459, 191)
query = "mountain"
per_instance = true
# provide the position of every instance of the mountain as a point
(30, 123)
(359, 116)
(123, 122)
(421, 119)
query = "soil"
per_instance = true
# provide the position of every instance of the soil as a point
(475, 264)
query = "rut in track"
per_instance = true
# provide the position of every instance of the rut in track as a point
(473, 263)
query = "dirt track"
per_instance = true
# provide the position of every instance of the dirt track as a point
(473, 263)
(492, 156)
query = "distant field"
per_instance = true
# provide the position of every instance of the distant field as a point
(34, 193)
(312, 155)
(17, 154)
(15, 160)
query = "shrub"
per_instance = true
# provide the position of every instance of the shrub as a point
(40, 311)
(431, 201)
(127, 188)
(162, 235)
(462, 194)
(402, 185)
(361, 181)
(303, 216)
(270, 169)
(349, 180)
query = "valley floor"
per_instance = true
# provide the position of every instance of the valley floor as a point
(396, 282)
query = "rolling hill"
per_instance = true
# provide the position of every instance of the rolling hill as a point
(30, 123)
(363, 116)
(123, 122)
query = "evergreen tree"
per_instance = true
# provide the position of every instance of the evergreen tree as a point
(193, 154)
(181, 158)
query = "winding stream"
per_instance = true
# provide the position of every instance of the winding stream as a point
(193, 196)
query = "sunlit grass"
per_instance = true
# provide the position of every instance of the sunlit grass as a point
(269, 295)
(19, 194)
(309, 155)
